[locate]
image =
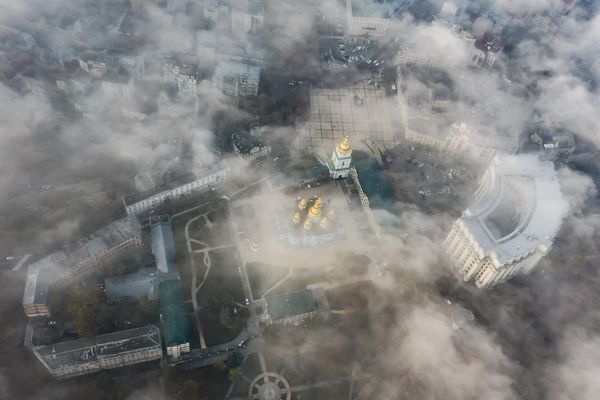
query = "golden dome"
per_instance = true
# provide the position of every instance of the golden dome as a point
(319, 202)
(297, 217)
(324, 222)
(302, 204)
(307, 224)
(314, 213)
(331, 213)
(344, 146)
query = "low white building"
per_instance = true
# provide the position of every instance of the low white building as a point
(511, 225)
(250, 145)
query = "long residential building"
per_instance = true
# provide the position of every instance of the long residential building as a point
(84, 356)
(78, 262)
(173, 313)
(211, 177)
(517, 212)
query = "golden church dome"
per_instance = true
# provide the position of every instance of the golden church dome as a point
(331, 213)
(319, 202)
(307, 224)
(314, 212)
(302, 204)
(297, 217)
(344, 146)
(324, 222)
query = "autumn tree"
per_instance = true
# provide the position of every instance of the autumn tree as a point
(89, 310)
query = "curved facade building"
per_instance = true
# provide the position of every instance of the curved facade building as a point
(511, 225)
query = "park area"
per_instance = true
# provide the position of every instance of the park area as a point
(205, 255)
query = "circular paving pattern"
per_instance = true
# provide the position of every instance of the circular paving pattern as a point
(269, 386)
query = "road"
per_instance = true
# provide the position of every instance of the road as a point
(244, 343)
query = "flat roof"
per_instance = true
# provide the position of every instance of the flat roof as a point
(93, 348)
(163, 246)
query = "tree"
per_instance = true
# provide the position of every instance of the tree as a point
(189, 390)
(220, 366)
(232, 373)
(147, 306)
(89, 310)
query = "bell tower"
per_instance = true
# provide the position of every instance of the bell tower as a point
(341, 158)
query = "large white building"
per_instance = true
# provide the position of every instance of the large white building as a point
(517, 212)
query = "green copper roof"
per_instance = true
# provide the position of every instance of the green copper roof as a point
(172, 310)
